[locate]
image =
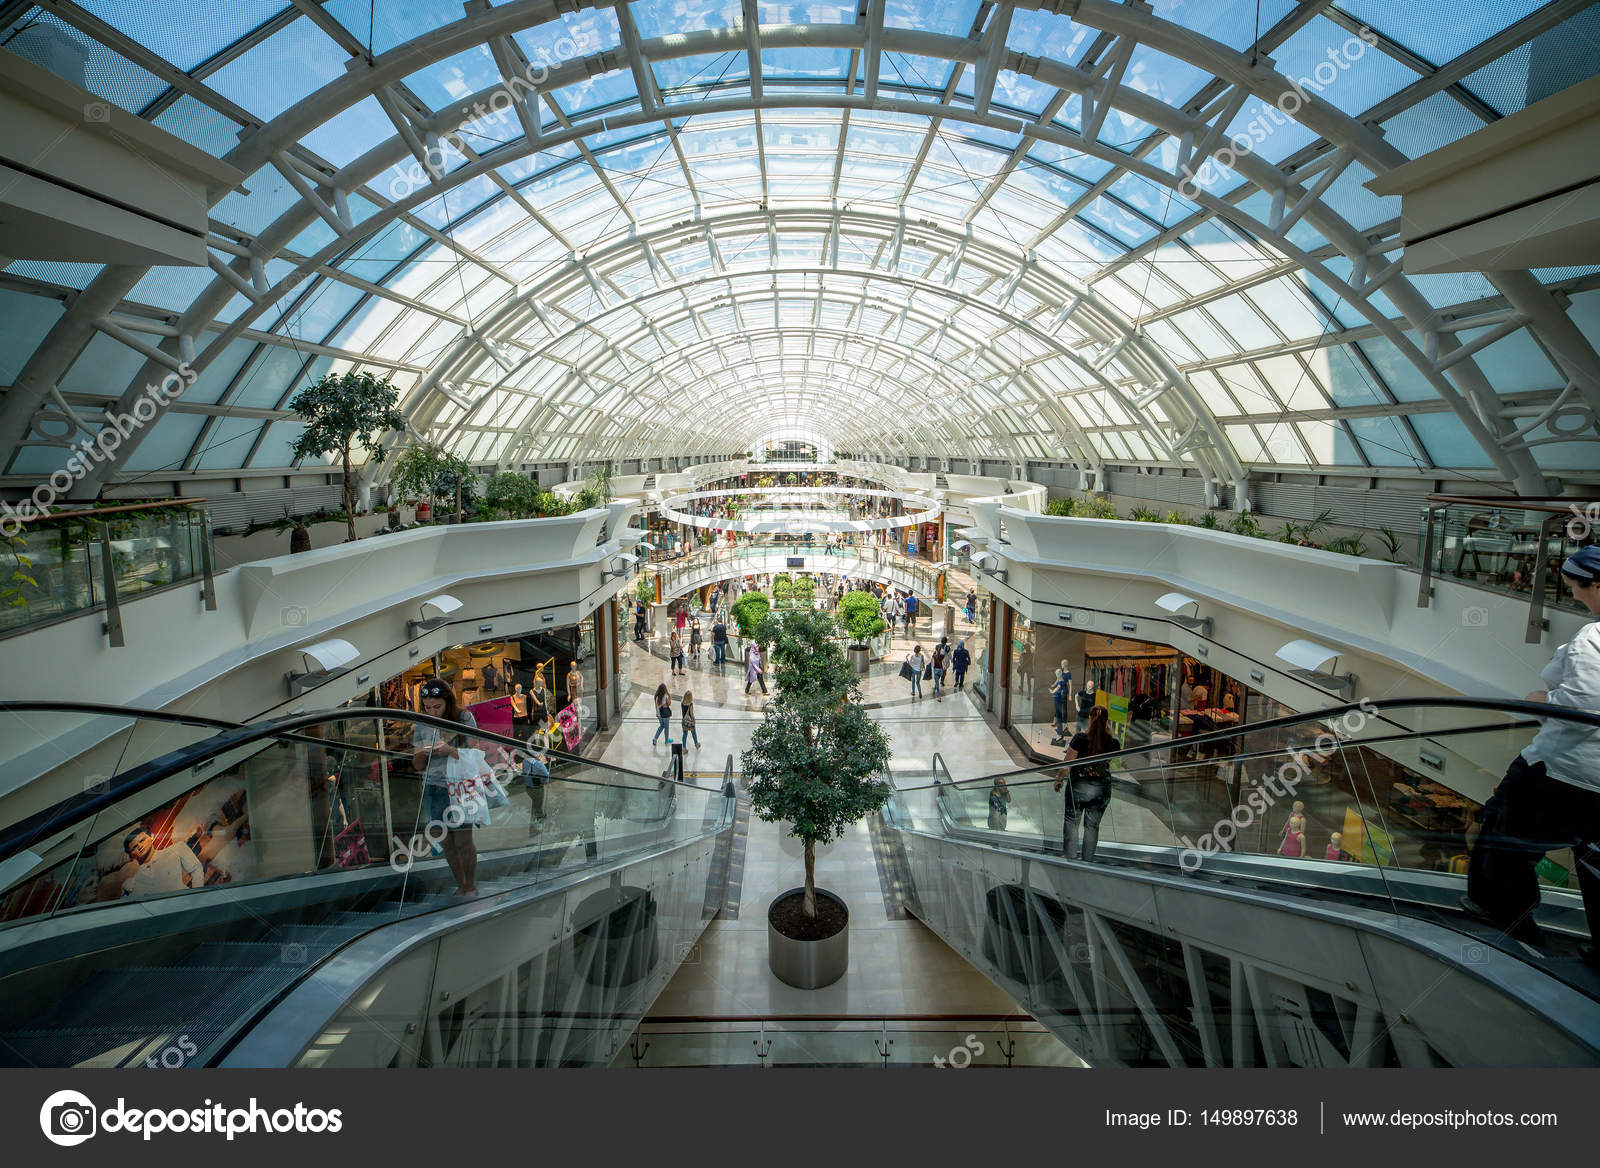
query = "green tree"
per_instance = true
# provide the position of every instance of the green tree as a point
(342, 411)
(860, 615)
(805, 590)
(782, 589)
(749, 612)
(512, 492)
(426, 468)
(815, 759)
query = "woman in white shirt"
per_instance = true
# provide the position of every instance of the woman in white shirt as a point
(918, 664)
(1550, 795)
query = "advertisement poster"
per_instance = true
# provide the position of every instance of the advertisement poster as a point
(200, 838)
(571, 732)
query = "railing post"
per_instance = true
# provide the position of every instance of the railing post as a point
(208, 587)
(1425, 591)
(1538, 623)
(112, 626)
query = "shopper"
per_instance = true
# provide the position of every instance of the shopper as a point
(917, 663)
(675, 653)
(972, 606)
(911, 612)
(1549, 797)
(999, 804)
(663, 702)
(639, 618)
(753, 671)
(1091, 787)
(535, 778)
(719, 641)
(941, 659)
(960, 662)
(688, 720)
(432, 749)
(694, 641)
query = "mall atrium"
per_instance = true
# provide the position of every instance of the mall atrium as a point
(720, 533)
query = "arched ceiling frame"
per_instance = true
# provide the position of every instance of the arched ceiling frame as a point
(1443, 362)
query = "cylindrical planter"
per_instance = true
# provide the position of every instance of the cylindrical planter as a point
(809, 965)
(860, 658)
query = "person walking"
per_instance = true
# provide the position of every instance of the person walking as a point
(432, 752)
(1091, 788)
(688, 720)
(675, 653)
(1549, 797)
(960, 662)
(639, 618)
(919, 665)
(719, 641)
(972, 606)
(753, 672)
(694, 641)
(663, 702)
(911, 612)
(941, 656)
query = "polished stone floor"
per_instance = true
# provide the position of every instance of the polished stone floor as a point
(897, 966)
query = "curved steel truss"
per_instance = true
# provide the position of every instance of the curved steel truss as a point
(954, 229)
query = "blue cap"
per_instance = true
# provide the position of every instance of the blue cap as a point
(1583, 564)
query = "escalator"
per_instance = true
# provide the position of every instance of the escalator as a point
(1213, 928)
(195, 909)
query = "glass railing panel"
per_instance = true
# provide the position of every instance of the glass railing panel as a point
(1498, 545)
(52, 573)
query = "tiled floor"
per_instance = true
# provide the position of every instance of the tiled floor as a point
(897, 967)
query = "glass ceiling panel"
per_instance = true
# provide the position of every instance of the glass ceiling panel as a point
(903, 202)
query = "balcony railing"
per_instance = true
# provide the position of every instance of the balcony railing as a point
(72, 562)
(1509, 544)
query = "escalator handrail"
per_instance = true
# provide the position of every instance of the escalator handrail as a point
(39, 706)
(1533, 710)
(64, 814)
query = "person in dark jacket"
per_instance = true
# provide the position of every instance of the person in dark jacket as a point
(960, 662)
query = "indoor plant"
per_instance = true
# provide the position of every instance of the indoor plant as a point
(860, 615)
(813, 763)
(340, 412)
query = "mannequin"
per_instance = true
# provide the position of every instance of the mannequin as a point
(1060, 694)
(1335, 848)
(1086, 703)
(1294, 833)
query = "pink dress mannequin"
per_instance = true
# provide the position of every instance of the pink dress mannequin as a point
(1294, 837)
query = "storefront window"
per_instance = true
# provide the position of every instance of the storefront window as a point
(1023, 678)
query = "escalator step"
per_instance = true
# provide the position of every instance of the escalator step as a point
(251, 954)
(309, 935)
(110, 1047)
(367, 920)
(173, 997)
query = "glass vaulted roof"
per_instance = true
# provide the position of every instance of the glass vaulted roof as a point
(949, 228)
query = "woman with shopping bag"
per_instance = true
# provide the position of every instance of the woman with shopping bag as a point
(433, 752)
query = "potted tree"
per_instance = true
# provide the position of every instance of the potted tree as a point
(860, 615)
(782, 590)
(813, 763)
(342, 411)
(805, 591)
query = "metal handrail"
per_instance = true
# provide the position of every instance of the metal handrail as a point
(60, 815)
(1530, 710)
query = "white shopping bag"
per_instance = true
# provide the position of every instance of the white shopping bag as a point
(468, 779)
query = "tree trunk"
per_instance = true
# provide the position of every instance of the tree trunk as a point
(458, 498)
(811, 880)
(349, 494)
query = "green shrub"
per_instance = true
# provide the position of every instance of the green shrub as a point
(782, 588)
(860, 616)
(1144, 515)
(750, 611)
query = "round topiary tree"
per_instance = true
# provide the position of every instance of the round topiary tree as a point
(805, 591)
(814, 761)
(860, 615)
(750, 612)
